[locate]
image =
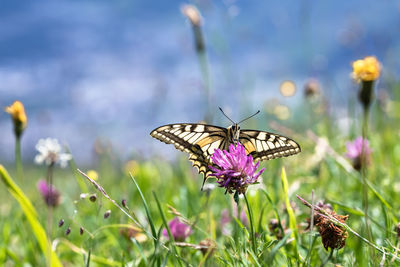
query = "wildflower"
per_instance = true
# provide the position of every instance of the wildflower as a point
(50, 153)
(367, 69)
(107, 214)
(235, 170)
(92, 175)
(312, 88)
(50, 194)
(61, 223)
(359, 152)
(18, 115)
(81, 231)
(180, 231)
(123, 202)
(68, 231)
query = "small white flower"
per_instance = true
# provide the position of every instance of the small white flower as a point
(50, 153)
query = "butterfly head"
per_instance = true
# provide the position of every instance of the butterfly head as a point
(234, 132)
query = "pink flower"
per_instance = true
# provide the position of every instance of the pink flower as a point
(235, 169)
(49, 193)
(179, 230)
(355, 150)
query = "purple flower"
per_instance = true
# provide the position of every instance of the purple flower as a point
(49, 193)
(355, 149)
(235, 169)
(179, 230)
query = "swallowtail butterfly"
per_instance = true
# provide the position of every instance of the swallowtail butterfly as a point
(200, 141)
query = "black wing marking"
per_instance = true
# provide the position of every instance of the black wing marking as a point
(199, 140)
(265, 145)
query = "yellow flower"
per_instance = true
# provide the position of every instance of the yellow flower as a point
(17, 112)
(131, 167)
(93, 175)
(367, 69)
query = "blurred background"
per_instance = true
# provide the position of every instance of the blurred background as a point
(114, 70)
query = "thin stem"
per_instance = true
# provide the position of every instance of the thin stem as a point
(49, 228)
(363, 160)
(253, 237)
(311, 231)
(328, 258)
(18, 159)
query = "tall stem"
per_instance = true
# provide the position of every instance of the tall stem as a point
(252, 235)
(49, 180)
(363, 160)
(18, 159)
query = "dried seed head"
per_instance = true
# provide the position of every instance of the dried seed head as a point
(107, 214)
(68, 231)
(208, 246)
(93, 198)
(333, 236)
(81, 231)
(275, 229)
(61, 223)
(397, 229)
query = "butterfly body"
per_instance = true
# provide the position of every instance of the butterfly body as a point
(200, 141)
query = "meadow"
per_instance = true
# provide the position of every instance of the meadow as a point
(332, 204)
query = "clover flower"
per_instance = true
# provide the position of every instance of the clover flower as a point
(179, 230)
(49, 193)
(50, 153)
(18, 115)
(367, 69)
(235, 169)
(357, 150)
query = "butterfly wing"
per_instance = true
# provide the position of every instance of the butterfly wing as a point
(265, 145)
(199, 140)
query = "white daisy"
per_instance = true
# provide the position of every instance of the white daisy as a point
(50, 153)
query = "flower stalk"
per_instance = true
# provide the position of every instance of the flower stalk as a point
(195, 19)
(366, 71)
(252, 234)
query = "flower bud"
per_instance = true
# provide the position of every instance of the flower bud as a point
(107, 214)
(18, 115)
(93, 198)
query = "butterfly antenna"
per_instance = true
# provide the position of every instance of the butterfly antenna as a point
(226, 115)
(249, 117)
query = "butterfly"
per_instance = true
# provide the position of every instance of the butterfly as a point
(200, 141)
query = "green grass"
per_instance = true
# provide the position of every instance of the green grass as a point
(159, 190)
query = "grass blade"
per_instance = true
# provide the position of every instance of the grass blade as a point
(292, 217)
(31, 215)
